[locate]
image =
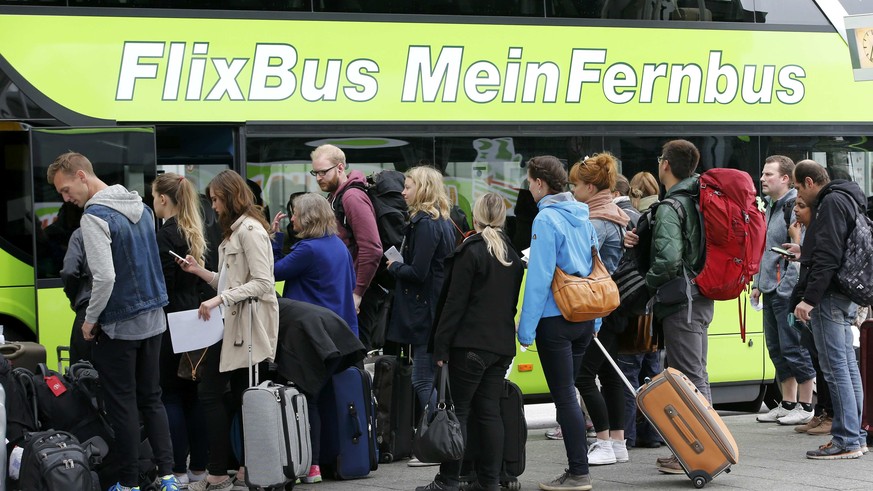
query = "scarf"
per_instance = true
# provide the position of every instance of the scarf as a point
(601, 206)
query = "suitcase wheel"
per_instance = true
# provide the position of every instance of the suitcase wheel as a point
(699, 479)
(387, 458)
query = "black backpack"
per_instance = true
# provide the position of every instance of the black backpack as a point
(630, 274)
(56, 461)
(20, 413)
(384, 188)
(855, 274)
(70, 402)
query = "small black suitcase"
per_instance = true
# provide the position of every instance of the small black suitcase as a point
(392, 387)
(514, 442)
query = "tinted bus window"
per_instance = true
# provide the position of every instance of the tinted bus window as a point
(16, 220)
(120, 156)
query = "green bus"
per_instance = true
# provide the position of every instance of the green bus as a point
(475, 88)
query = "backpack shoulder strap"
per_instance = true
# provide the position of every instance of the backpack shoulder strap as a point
(338, 209)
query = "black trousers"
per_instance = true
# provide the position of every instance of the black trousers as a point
(605, 405)
(215, 408)
(129, 374)
(476, 381)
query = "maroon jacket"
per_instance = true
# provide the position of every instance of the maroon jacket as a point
(363, 241)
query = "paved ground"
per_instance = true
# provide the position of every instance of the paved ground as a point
(772, 457)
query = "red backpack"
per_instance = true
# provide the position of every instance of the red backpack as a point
(735, 232)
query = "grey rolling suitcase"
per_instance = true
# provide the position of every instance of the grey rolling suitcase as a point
(275, 422)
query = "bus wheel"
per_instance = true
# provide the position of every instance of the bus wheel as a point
(15, 330)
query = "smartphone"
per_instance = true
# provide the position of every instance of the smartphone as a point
(180, 257)
(783, 252)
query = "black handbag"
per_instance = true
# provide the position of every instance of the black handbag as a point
(438, 437)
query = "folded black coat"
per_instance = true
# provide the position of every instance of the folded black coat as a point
(314, 343)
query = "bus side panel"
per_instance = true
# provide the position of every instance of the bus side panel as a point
(55, 321)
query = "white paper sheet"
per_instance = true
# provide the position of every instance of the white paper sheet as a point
(393, 254)
(188, 332)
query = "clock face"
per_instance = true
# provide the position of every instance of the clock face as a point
(867, 44)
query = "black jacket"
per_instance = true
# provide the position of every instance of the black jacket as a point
(311, 339)
(419, 278)
(183, 289)
(479, 300)
(825, 240)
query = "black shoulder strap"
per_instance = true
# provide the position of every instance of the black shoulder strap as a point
(338, 209)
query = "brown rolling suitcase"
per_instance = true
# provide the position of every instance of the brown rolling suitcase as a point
(24, 354)
(686, 420)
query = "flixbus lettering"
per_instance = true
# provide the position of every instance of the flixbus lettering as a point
(271, 74)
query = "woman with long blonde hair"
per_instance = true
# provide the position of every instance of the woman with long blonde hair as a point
(429, 238)
(475, 334)
(178, 204)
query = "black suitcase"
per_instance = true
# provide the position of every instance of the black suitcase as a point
(514, 442)
(392, 387)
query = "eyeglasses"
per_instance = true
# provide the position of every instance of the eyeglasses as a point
(321, 173)
(660, 158)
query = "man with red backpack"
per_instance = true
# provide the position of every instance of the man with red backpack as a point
(676, 254)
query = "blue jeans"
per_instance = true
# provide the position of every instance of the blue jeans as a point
(830, 322)
(188, 428)
(560, 346)
(789, 356)
(476, 380)
(637, 368)
(422, 374)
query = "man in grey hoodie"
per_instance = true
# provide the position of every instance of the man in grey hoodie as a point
(125, 317)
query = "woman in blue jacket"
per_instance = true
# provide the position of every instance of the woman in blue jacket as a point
(429, 239)
(318, 269)
(562, 236)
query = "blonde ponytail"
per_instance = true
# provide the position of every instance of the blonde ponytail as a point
(489, 214)
(188, 217)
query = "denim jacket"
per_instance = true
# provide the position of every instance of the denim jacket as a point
(119, 235)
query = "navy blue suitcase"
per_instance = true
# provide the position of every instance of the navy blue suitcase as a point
(348, 436)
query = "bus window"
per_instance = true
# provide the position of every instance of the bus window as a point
(123, 156)
(280, 165)
(16, 215)
(846, 157)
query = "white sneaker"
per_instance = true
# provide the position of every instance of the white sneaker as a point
(796, 416)
(774, 415)
(414, 462)
(182, 480)
(619, 448)
(600, 453)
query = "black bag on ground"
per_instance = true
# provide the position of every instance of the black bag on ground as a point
(20, 413)
(438, 437)
(56, 461)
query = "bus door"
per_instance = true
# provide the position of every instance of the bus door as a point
(120, 155)
(200, 152)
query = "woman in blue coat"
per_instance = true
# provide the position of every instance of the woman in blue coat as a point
(318, 269)
(429, 239)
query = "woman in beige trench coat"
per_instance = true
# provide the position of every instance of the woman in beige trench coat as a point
(245, 270)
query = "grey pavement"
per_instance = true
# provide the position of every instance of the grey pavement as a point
(772, 457)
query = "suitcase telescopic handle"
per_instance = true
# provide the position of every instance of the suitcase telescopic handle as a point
(615, 366)
(253, 378)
